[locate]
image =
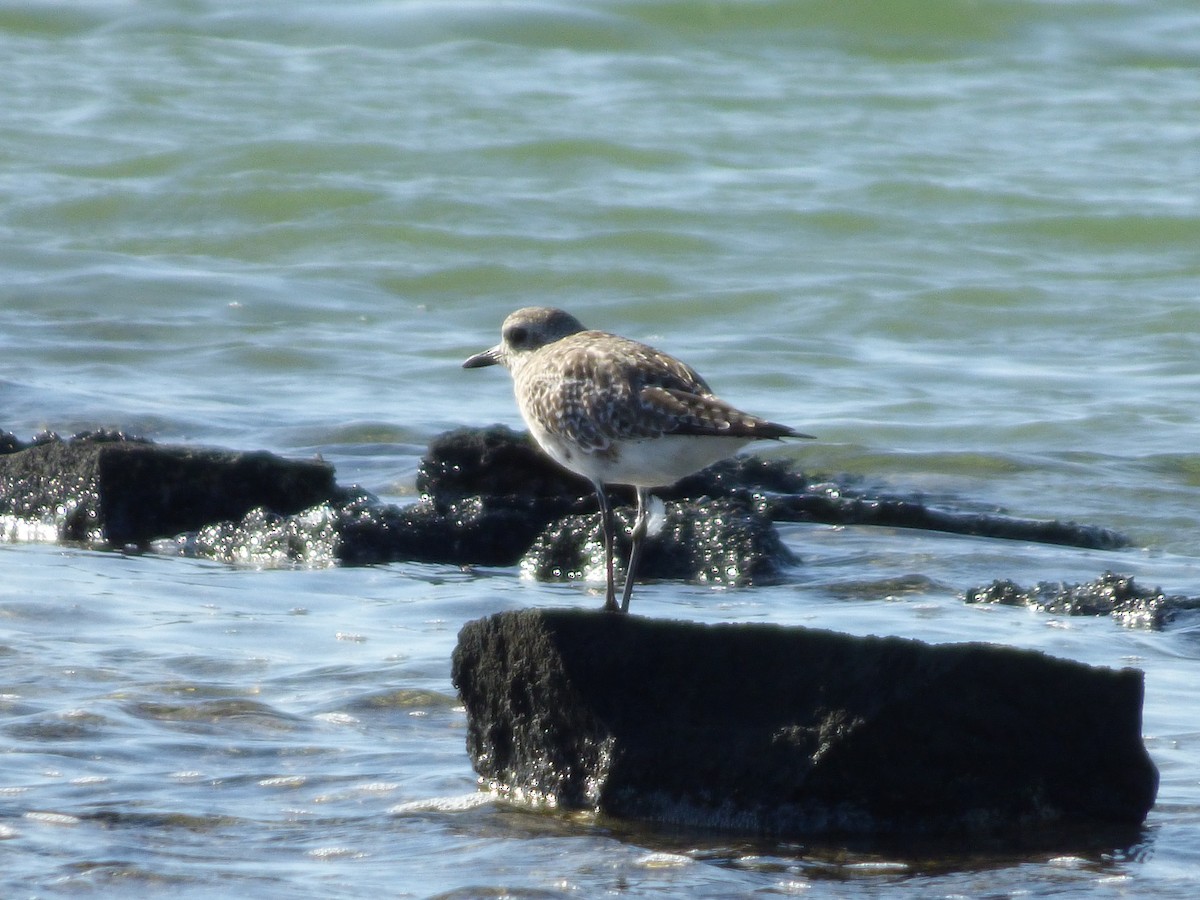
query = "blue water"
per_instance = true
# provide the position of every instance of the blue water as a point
(957, 241)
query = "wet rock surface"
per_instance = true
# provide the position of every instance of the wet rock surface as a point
(469, 531)
(839, 507)
(262, 538)
(500, 476)
(497, 463)
(488, 496)
(792, 732)
(1111, 594)
(724, 541)
(109, 488)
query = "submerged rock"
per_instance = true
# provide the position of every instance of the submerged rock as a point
(1111, 594)
(792, 732)
(836, 506)
(108, 488)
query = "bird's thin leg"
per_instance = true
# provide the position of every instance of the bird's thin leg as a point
(640, 526)
(606, 529)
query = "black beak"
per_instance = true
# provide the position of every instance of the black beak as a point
(486, 358)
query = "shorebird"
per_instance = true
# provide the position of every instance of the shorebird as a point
(616, 411)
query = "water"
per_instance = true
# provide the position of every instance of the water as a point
(956, 240)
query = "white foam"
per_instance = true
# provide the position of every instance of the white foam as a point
(461, 803)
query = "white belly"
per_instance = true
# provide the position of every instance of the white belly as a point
(654, 462)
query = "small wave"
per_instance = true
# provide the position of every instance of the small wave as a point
(460, 803)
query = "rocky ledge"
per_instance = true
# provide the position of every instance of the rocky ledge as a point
(793, 732)
(106, 488)
(486, 497)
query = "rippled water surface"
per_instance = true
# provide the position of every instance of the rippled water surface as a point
(959, 241)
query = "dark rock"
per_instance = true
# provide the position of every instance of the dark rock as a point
(492, 497)
(487, 496)
(1111, 594)
(792, 732)
(108, 488)
(496, 463)
(362, 531)
(9, 443)
(708, 541)
(468, 531)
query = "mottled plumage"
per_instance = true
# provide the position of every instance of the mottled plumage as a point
(616, 411)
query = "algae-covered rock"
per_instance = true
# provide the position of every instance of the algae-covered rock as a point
(792, 732)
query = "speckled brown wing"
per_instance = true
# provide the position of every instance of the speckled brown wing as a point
(672, 393)
(704, 414)
(594, 389)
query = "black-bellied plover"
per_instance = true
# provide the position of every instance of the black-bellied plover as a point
(616, 411)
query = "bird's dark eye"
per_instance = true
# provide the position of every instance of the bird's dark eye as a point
(518, 335)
